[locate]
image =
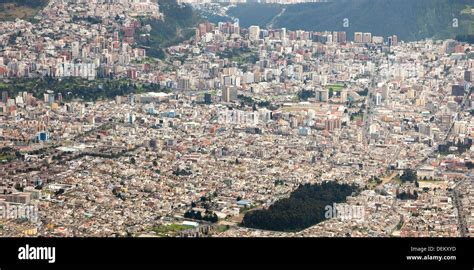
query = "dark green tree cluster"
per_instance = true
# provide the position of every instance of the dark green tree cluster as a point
(249, 101)
(363, 92)
(407, 195)
(209, 216)
(279, 182)
(303, 95)
(182, 172)
(465, 38)
(408, 175)
(462, 146)
(375, 179)
(331, 92)
(359, 113)
(71, 88)
(89, 19)
(242, 56)
(304, 208)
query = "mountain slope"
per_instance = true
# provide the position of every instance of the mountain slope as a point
(409, 19)
(23, 9)
(179, 24)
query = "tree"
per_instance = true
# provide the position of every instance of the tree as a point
(305, 94)
(408, 175)
(304, 208)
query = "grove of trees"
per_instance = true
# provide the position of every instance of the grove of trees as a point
(304, 208)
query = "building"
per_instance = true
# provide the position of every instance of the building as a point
(468, 75)
(130, 118)
(332, 123)
(322, 95)
(393, 40)
(460, 127)
(367, 38)
(358, 37)
(378, 99)
(341, 37)
(132, 73)
(229, 94)
(207, 98)
(377, 39)
(457, 90)
(254, 33)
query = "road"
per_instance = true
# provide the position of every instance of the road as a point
(457, 203)
(272, 22)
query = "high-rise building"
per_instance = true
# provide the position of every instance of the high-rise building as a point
(358, 37)
(395, 40)
(184, 84)
(341, 37)
(385, 91)
(367, 38)
(4, 96)
(468, 75)
(425, 128)
(322, 95)
(457, 90)
(332, 123)
(254, 33)
(229, 94)
(131, 99)
(130, 118)
(132, 73)
(207, 98)
(460, 127)
(75, 49)
(344, 96)
(378, 99)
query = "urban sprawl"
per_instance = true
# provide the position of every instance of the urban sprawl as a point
(245, 117)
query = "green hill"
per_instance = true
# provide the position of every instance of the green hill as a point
(409, 19)
(23, 9)
(179, 24)
(255, 14)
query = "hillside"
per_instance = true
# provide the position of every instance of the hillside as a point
(179, 24)
(255, 14)
(409, 19)
(23, 9)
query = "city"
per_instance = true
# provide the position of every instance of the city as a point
(233, 120)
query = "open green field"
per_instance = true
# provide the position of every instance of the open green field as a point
(170, 230)
(335, 87)
(6, 157)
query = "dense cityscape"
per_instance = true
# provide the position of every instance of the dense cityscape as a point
(228, 125)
